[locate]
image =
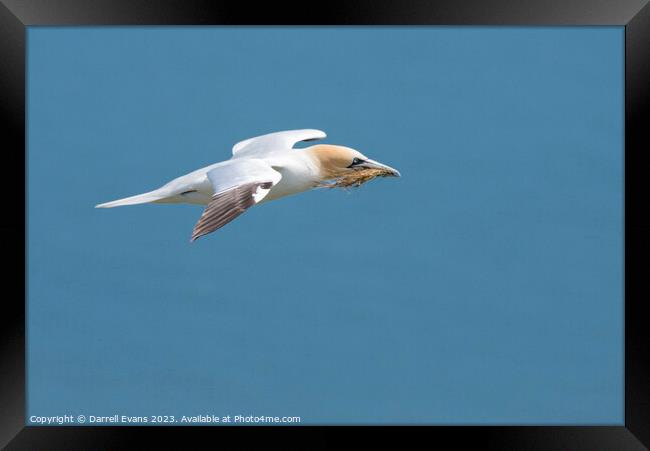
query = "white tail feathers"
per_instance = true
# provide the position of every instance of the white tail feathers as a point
(144, 198)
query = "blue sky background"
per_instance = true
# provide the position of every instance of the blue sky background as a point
(484, 286)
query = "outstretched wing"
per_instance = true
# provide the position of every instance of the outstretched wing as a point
(261, 145)
(238, 185)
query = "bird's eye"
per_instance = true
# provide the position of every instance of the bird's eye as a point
(356, 161)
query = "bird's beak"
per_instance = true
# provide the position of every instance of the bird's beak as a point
(372, 164)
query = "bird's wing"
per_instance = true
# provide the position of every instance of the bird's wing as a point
(238, 185)
(261, 145)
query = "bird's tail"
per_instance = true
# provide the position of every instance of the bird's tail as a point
(144, 198)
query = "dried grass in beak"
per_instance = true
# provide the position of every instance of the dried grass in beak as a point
(356, 178)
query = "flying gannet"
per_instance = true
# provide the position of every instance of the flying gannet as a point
(262, 169)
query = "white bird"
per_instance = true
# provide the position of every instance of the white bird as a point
(262, 169)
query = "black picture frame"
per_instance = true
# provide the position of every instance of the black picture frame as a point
(16, 15)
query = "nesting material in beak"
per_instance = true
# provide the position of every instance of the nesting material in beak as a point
(356, 178)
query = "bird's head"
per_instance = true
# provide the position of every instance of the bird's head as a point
(344, 167)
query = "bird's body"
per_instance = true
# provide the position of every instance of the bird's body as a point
(261, 169)
(298, 174)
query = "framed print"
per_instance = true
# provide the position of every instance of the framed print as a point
(445, 237)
